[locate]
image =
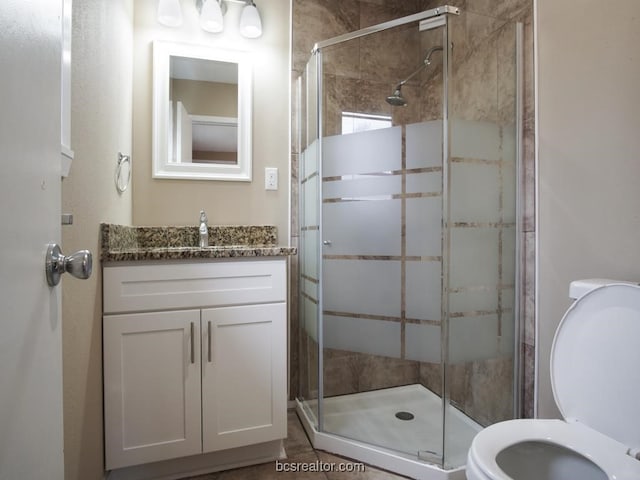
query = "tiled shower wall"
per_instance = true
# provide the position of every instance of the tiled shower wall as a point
(347, 371)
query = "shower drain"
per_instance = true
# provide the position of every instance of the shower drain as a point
(405, 415)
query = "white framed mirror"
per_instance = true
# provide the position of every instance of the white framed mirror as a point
(202, 116)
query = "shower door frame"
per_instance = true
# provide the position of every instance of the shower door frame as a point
(405, 464)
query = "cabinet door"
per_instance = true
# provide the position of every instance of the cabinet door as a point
(152, 387)
(243, 375)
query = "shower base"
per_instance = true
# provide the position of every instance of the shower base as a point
(393, 441)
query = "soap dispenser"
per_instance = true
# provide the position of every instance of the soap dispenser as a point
(203, 230)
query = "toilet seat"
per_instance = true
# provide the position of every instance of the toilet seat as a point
(606, 453)
(594, 362)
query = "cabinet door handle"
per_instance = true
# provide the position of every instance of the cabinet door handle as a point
(209, 341)
(193, 353)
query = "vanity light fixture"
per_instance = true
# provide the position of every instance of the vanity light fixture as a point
(250, 22)
(211, 12)
(212, 16)
(169, 13)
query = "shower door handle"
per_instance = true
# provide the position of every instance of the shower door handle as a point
(327, 243)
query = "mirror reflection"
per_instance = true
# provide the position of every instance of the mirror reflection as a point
(202, 122)
(204, 111)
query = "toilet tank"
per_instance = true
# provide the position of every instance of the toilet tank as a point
(578, 288)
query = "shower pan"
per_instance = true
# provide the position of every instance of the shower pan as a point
(409, 239)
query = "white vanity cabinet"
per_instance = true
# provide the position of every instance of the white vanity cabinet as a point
(194, 358)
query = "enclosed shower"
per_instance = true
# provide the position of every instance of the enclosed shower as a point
(409, 235)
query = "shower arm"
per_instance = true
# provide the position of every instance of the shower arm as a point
(422, 67)
(425, 63)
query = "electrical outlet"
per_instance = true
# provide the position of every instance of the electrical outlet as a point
(271, 178)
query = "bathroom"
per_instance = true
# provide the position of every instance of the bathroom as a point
(581, 161)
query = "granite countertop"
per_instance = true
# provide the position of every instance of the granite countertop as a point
(122, 243)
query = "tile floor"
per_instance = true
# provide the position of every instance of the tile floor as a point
(298, 449)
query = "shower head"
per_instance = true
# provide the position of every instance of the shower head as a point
(396, 99)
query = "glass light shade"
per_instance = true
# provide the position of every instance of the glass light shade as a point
(211, 17)
(250, 23)
(169, 13)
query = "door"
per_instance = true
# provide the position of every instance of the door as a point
(31, 435)
(244, 372)
(151, 387)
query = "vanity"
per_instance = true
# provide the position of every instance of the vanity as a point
(194, 349)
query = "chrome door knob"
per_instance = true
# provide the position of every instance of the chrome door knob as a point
(79, 264)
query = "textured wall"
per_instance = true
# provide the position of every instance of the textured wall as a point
(588, 152)
(177, 202)
(100, 128)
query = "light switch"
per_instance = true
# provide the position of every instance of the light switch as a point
(271, 178)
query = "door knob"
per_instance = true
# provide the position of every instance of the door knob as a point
(78, 264)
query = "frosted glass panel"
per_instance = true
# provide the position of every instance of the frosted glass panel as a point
(363, 152)
(475, 192)
(422, 343)
(506, 340)
(375, 337)
(424, 144)
(362, 286)
(365, 186)
(424, 183)
(309, 288)
(508, 254)
(509, 193)
(509, 144)
(473, 338)
(474, 257)
(310, 199)
(310, 160)
(474, 139)
(310, 310)
(485, 299)
(508, 297)
(354, 228)
(310, 253)
(423, 289)
(424, 226)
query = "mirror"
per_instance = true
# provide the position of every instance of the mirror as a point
(201, 113)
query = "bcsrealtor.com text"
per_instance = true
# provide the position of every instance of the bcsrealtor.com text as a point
(319, 466)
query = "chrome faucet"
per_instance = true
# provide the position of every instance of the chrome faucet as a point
(203, 230)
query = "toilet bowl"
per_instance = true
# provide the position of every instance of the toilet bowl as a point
(595, 377)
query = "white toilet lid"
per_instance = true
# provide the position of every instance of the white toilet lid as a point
(595, 362)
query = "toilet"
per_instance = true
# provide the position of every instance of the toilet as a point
(595, 376)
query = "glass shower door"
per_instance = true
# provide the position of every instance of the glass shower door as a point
(409, 234)
(381, 227)
(483, 226)
(310, 253)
